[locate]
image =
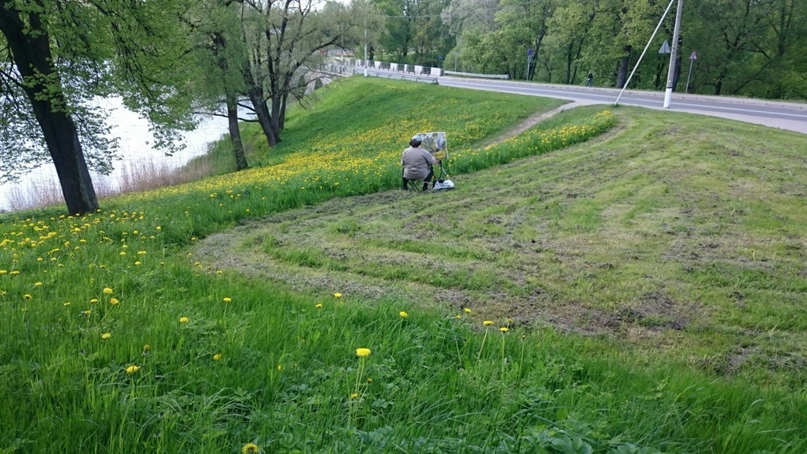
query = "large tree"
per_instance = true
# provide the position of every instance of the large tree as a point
(284, 39)
(56, 56)
(220, 57)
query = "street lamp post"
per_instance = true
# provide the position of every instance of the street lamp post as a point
(673, 55)
(365, 43)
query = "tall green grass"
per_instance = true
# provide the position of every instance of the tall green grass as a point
(116, 338)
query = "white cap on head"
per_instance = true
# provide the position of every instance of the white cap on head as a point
(416, 137)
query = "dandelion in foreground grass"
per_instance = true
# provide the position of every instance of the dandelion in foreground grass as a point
(362, 353)
(337, 295)
(106, 336)
(217, 357)
(466, 310)
(250, 448)
(27, 297)
(403, 314)
(107, 291)
(183, 320)
(132, 369)
(113, 301)
(487, 323)
(318, 306)
(227, 299)
(93, 300)
(504, 329)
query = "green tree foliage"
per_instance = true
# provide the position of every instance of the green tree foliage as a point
(57, 56)
(415, 31)
(744, 47)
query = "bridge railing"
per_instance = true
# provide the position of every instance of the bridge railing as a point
(350, 66)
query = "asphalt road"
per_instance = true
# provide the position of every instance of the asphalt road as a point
(784, 115)
(791, 116)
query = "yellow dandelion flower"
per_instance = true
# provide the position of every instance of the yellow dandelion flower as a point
(3, 272)
(403, 314)
(487, 323)
(217, 357)
(466, 310)
(227, 299)
(27, 297)
(132, 369)
(363, 352)
(106, 336)
(93, 300)
(354, 396)
(337, 295)
(146, 349)
(107, 291)
(504, 329)
(66, 303)
(280, 367)
(37, 284)
(318, 306)
(137, 263)
(369, 380)
(183, 320)
(113, 301)
(250, 448)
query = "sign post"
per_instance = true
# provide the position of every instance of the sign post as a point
(692, 58)
(529, 61)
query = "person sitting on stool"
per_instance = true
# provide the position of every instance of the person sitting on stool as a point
(417, 163)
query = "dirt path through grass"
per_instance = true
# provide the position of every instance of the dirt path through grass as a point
(530, 122)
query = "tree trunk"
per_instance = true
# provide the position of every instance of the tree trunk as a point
(283, 111)
(259, 106)
(264, 118)
(42, 85)
(235, 135)
(622, 72)
(569, 50)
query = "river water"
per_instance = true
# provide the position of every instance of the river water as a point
(134, 139)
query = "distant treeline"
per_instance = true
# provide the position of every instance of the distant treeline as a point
(751, 48)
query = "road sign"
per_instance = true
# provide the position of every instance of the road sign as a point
(529, 52)
(694, 55)
(665, 48)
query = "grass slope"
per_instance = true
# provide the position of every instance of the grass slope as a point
(663, 238)
(120, 338)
